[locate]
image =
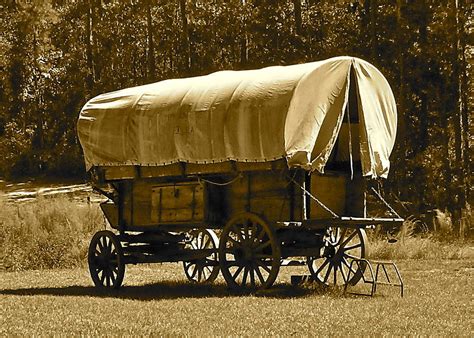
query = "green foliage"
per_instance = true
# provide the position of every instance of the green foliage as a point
(46, 233)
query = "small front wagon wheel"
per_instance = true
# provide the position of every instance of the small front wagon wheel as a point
(203, 270)
(106, 261)
(342, 246)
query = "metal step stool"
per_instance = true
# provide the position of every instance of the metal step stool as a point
(364, 265)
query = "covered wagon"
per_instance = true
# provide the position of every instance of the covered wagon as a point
(237, 171)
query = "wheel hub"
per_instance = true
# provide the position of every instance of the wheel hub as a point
(329, 251)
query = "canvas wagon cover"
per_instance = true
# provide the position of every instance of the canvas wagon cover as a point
(293, 112)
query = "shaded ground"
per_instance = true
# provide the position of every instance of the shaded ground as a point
(156, 299)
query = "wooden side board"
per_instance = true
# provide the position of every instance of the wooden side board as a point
(215, 198)
(181, 169)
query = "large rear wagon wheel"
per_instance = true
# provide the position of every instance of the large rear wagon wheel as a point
(249, 253)
(203, 270)
(106, 261)
(342, 246)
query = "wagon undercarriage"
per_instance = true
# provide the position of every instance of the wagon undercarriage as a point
(245, 228)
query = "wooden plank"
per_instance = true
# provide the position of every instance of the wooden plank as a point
(261, 166)
(175, 169)
(126, 203)
(350, 222)
(209, 168)
(177, 203)
(271, 195)
(141, 201)
(125, 172)
(356, 198)
(111, 212)
(331, 191)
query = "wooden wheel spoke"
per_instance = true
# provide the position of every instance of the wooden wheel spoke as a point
(101, 246)
(109, 247)
(205, 273)
(207, 242)
(262, 256)
(344, 277)
(335, 274)
(321, 267)
(355, 246)
(199, 241)
(244, 277)
(252, 278)
(104, 244)
(194, 267)
(237, 272)
(348, 239)
(259, 275)
(199, 270)
(107, 279)
(112, 277)
(264, 266)
(102, 278)
(344, 260)
(328, 272)
(350, 256)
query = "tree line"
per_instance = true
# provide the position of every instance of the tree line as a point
(56, 54)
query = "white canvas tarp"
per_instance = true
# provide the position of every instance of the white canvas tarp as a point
(293, 112)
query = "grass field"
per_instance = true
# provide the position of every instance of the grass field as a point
(156, 299)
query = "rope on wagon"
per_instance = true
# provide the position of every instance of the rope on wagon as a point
(385, 202)
(321, 204)
(200, 179)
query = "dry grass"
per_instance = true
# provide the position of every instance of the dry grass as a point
(46, 233)
(157, 300)
(420, 248)
(54, 232)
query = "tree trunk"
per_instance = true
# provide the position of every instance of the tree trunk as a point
(244, 52)
(463, 96)
(370, 23)
(424, 118)
(89, 44)
(461, 188)
(298, 20)
(401, 84)
(186, 45)
(150, 43)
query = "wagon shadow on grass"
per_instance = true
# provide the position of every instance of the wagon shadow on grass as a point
(171, 290)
